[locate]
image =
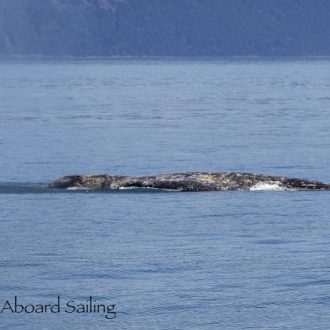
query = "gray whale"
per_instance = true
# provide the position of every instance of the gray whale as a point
(190, 181)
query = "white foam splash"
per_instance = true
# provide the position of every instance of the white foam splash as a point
(146, 188)
(128, 188)
(268, 186)
(77, 188)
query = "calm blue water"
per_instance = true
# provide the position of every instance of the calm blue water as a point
(231, 260)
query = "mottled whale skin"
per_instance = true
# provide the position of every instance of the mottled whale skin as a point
(191, 181)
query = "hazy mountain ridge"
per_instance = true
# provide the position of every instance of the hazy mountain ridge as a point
(165, 27)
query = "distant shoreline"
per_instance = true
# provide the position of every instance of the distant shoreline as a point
(168, 58)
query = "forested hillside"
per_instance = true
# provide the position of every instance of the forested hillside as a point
(165, 27)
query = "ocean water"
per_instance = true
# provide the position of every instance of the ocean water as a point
(220, 260)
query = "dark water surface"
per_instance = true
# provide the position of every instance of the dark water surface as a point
(227, 260)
